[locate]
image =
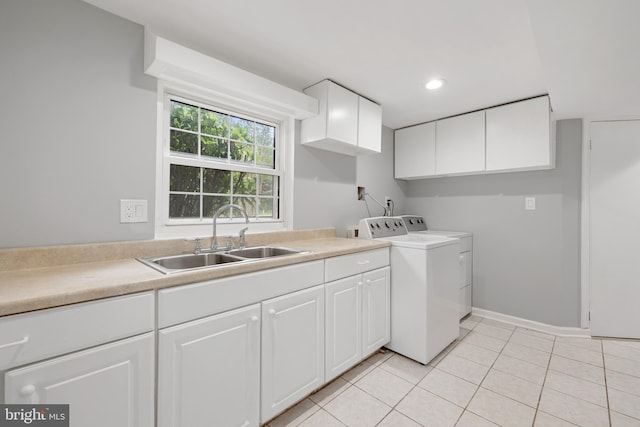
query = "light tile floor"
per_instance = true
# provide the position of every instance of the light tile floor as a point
(495, 374)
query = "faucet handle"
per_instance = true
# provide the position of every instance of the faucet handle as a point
(243, 240)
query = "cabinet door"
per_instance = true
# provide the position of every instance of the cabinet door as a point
(292, 349)
(342, 115)
(343, 319)
(376, 310)
(519, 136)
(106, 386)
(415, 151)
(369, 125)
(209, 371)
(460, 144)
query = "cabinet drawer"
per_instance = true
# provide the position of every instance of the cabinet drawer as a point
(29, 337)
(190, 302)
(356, 263)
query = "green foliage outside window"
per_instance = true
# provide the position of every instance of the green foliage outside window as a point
(225, 139)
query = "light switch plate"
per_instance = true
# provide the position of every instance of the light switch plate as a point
(133, 211)
(530, 203)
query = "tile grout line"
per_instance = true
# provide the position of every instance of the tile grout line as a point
(457, 341)
(578, 378)
(484, 377)
(544, 382)
(606, 387)
(478, 386)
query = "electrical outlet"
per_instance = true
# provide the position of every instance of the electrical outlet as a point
(530, 203)
(133, 211)
(360, 193)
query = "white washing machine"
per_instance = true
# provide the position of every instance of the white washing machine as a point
(424, 292)
(417, 225)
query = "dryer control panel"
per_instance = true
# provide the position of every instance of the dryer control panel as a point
(381, 226)
(414, 222)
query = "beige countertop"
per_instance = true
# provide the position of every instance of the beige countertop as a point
(57, 283)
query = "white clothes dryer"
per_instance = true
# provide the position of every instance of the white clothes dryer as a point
(417, 225)
(424, 292)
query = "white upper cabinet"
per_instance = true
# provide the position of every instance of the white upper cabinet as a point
(415, 151)
(460, 144)
(346, 122)
(508, 138)
(369, 125)
(519, 136)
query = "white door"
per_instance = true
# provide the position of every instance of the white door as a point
(106, 386)
(209, 371)
(343, 326)
(376, 310)
(292, 349)
(615, 229)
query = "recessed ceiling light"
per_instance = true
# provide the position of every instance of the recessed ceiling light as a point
(434, 84)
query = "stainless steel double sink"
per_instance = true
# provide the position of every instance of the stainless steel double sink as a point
(187, 262)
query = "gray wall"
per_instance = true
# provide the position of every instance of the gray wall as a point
(326, 185)
(78, 124)
(526, 263)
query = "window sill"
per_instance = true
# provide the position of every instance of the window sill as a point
(191, 231)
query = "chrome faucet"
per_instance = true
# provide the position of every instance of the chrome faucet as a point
(214, 241)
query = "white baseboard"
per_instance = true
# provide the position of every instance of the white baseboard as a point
(562, 331)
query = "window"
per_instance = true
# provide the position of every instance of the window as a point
(213, 157)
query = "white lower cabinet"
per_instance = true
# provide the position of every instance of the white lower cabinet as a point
(234, 351)
(343, 325)
(292, 349)
(357, 319)
(376, 310)
(209, 371)
(109, 385)
(358, 309)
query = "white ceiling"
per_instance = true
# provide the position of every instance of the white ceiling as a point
(489, 51)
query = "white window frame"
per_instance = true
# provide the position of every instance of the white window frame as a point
(166, 228)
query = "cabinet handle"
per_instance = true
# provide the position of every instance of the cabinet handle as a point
(364, 262)
(11, 344)
(27, 390)
(272, 312)
(254, 319)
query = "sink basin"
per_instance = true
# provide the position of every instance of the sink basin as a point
(178, 263)
(263, 252)
(175, 263)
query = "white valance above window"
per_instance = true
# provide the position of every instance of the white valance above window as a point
(180, 65)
